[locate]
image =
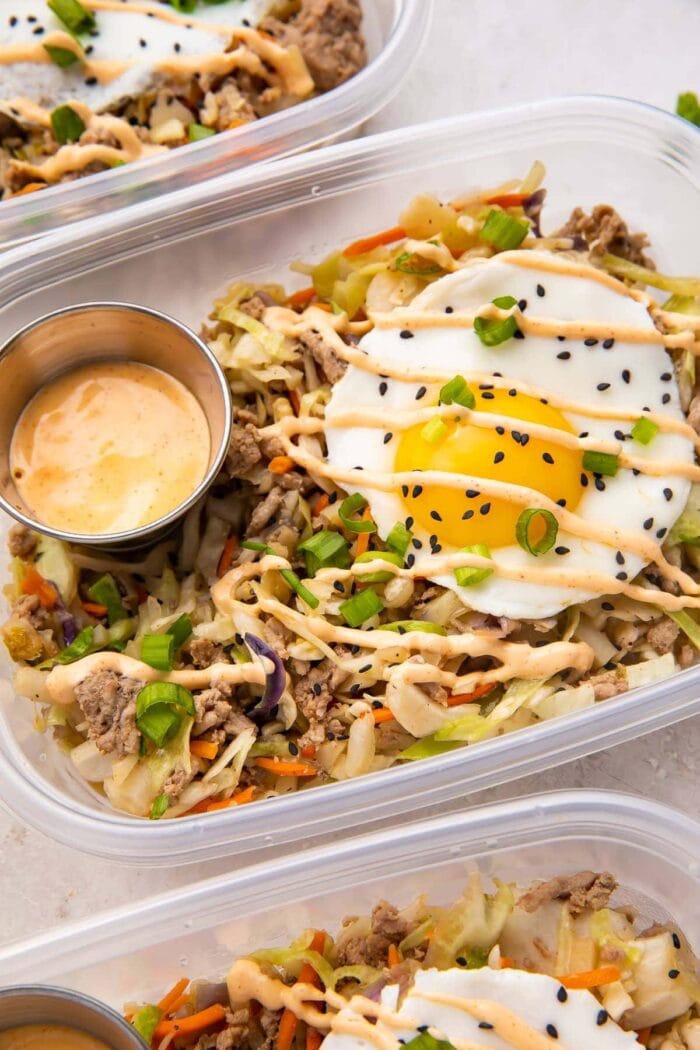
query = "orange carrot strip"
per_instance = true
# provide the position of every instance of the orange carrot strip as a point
(393, 957)
(239, 799)
(175, 992)
(643, 1035)
(287, 1030)
(313, 1038)
(34, 583)
(204, 748)
(466, 698)
(362, 545)
(506, 962)
(592, 978)
(280, 465)
(227, 556)
(94, 609)
(366, 244)
(508, 200)
(192, 1025)
(180, 1001)
(382, 714)
(295, 401)
(283, 768)
(31, 187)
(302, 297)
(309, 751)
(320, 503)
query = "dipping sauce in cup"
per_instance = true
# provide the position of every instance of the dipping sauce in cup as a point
(48, 1037)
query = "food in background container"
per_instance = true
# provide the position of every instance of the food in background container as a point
(458, 501)
(88, 85)
(554, 964)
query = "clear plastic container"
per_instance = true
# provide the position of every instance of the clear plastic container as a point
(178, 253)
(139, 950)
(394, 30)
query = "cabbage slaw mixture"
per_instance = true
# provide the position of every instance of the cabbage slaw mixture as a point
(281, 641)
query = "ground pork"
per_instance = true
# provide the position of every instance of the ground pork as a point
(328, 34)
(662, 636)
(108, 702)
(28, 609)
(387, 928)
(176, 783)
(315, 692)
(204, 652)
(607, 684)
(326, 358)
(256, 306)
(234, 1035)
(604, 231)
(216, 708)
(226, 107)
(585, 889)
(21, 541)
(248, 447)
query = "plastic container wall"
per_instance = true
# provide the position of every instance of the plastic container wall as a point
(394, 30)
(178, 254)
(137, 952)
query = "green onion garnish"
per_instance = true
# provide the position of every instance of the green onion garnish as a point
(159, 710)
(73, 15)
(457, 392)
(67, 125)
(522, 530)
(399, 539)
(197, 132)
(361, 607)
(325, 549)
(688, 107)
(504, 302)
(180, 630)
(409, 262)
(145, 1021)
(350, 507)
(381, 576)
(158, 650)
(492, 331)
(426, 1041)
(160, 804)
(601, 463)
(470, 575)
(434, 431)
(288, 575)
(405, 626)
(503, 231)
(644, 430)
(105, 592)
(78, 648)
(62, 57)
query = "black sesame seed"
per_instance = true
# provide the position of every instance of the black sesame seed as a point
(561, 502)
(548, 457)
(317, 688)
(409, 522)
(488, 396)
(405, 334)
(660, 533)
(485, 1025)
(330, 735)
(435, 515)
(590, 342)
(382, 389)
(540, 291)
(134, 121)
(544, 401)
(499, 457)
(524, 438)
(468, 514)
(517, 334)
(665, 377)
(625, 375)
(13, 20)
(417, 489)
(561, 338)
(339, 587)
(603, 386)
(418, 544)
(562, 994)
(433, 539)
(601, 1018)
(31, 18)
(449, 310)
(583, 434)
(422, 1028)
(564, 355)
(621, 576)
(562, 550)
(387, 438)
(600, 484)
(364, 669)
(552, 1031)
(354, 690)
(512, 393)
(648, 523)
(522, 305)
(608, 606)
(665, 399)
(142, 42)
(676, 940)
(354, 650)
(332, 498)
(620, 558)
(177, 47)
(90, 81)
(404, 491)
(38, 31)
(608, 344)
(293, 749)
(673, 974)
(484, 508)
(635, 472)
(668, 494)
(461, 961)
(500, 430)
(472, 493)
(420, 392)
(485, 386)
(584, 481)
(436, 548)
(411, 561)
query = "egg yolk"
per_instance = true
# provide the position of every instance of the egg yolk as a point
(462, 516)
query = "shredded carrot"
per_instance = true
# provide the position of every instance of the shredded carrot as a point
(366, 244)
(592, 978)
(204, 748)
(283, 768)
(393, 957)
(239, 799)
(643, 1036)
(94, 609)
(320, 503)
(34, 583)
(280, 465)
(166, 1003)
(302, 297)
(508, 200)
(287, 1030)
(313, 1038)
(227, 556)
(235, 124)
(179, 1002)
(382, 714)
(31, 187)
(295, 401)
(466, 698)
(192, 1025)
(506, 962)
(362, 544)
(309, 751)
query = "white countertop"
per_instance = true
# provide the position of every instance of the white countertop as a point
(480, 54)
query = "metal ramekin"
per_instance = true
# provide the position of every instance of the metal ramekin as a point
(91, 332)
(40, 1004)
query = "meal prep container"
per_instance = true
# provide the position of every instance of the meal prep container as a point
(179, 254)
(394, 30)
(138, 951)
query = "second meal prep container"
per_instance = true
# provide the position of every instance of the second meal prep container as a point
(179, 254)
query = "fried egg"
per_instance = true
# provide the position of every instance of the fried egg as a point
(136, 34)
(592, 374)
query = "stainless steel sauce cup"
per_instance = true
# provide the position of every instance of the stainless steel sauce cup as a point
(91, 332)
(42, 1004)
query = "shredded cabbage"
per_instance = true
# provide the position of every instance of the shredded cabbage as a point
(474, 921)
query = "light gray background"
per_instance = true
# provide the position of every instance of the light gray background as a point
(480, 54)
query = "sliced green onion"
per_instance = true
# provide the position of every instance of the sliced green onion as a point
(323, 550)
(67, 125)
(361, 607)
(254, 545)
(399, 539)
(158, 650)
(197, 132)
(406, 263)
(288, 575)
(634, 272)
(78, 648)
(180, 630)
(145, 1021)
(504, 302)
(688, 624)
(160, 804)
(73, 15)
(601, 463)
(503, 231)
(350, 507)
(682, 304)
(492, 331)
(457, 392)
(644, 430)
(688, 107)
(434, 431)
(381, 576)
(405, 626)
(470, 575)
(159, 724)
(522, 530)
(159, 710)
(426, 1041)
(105, 592)
(428, 747)
(62, 57)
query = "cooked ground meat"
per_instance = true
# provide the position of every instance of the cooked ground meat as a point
(328, 35)
(108, 701)
(29, 609)
(176, 783)
(387, 928)
(324, 356)
(694, 413)
(21, 541)
(270, 1024)
(248, 446)
(604, 231)
(216, 708)
(315, 692)
(662, 636)
(257, 305)
(608, 683)
(203, 652)
(585, 889)
(234, 1035)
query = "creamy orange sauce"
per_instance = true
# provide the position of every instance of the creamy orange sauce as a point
(48, 1037)
(109, 447)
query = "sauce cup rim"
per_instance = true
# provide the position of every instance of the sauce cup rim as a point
(87, 1003)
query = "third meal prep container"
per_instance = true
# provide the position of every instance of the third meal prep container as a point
(178, 254)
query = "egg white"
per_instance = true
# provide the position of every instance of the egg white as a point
(626, 501)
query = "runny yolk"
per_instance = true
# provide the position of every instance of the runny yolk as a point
(458, 517)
